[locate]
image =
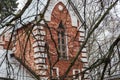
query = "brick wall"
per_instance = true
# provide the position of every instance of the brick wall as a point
(72, 38)
(26, 53)
(23, 46)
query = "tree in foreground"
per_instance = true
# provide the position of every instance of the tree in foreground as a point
(101, 26)
(7, 8)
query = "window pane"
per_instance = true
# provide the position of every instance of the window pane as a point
(63, 47)
(64, 55)
(62, 41)
(59, 47)
(58, 40)
(58, 34)
(62, 34)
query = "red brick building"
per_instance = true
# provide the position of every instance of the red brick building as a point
(48, 48)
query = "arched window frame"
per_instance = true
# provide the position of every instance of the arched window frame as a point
(62, 47)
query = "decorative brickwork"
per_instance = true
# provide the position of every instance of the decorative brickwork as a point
(37, 45)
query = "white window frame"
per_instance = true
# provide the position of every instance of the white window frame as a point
(74, 74)
(57, 71)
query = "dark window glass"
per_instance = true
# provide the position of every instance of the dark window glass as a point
(61, 41)
(54, 72)
(59, 47)
(62, 34)
(58, 40)
(63, 47)
(76, 74)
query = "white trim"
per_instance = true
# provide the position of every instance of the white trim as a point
(43, 78)
(43, 72)
(37, 55)
(84, 55)
(81, 38)
(81, 29)
(37, 49)
(39, 60)
(41, 66)
(40, 43)
(60, 7)
(85, 65)
(67, 45)
(83, 69)
(72, 14)
(39, 32)
(57, 71)
(82, 34)
(37, 27)
(85, 75)
(84, 60)
(74, 74)
(38, 37)
(84, 50)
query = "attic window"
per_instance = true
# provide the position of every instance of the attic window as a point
(62, 41)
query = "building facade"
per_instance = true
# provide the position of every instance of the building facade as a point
(48, 48)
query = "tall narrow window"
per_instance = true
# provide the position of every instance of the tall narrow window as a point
(62, 41)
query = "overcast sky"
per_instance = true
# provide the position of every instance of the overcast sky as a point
(21, 3)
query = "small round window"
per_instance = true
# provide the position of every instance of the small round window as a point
(60, 7)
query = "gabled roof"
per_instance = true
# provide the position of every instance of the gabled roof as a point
(73, 12)
(30, 13)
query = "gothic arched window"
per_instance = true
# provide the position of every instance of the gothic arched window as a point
(62, 41)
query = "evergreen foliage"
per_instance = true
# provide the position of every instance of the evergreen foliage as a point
(7, 7)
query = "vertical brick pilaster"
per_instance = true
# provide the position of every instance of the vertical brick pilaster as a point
(39, 51)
